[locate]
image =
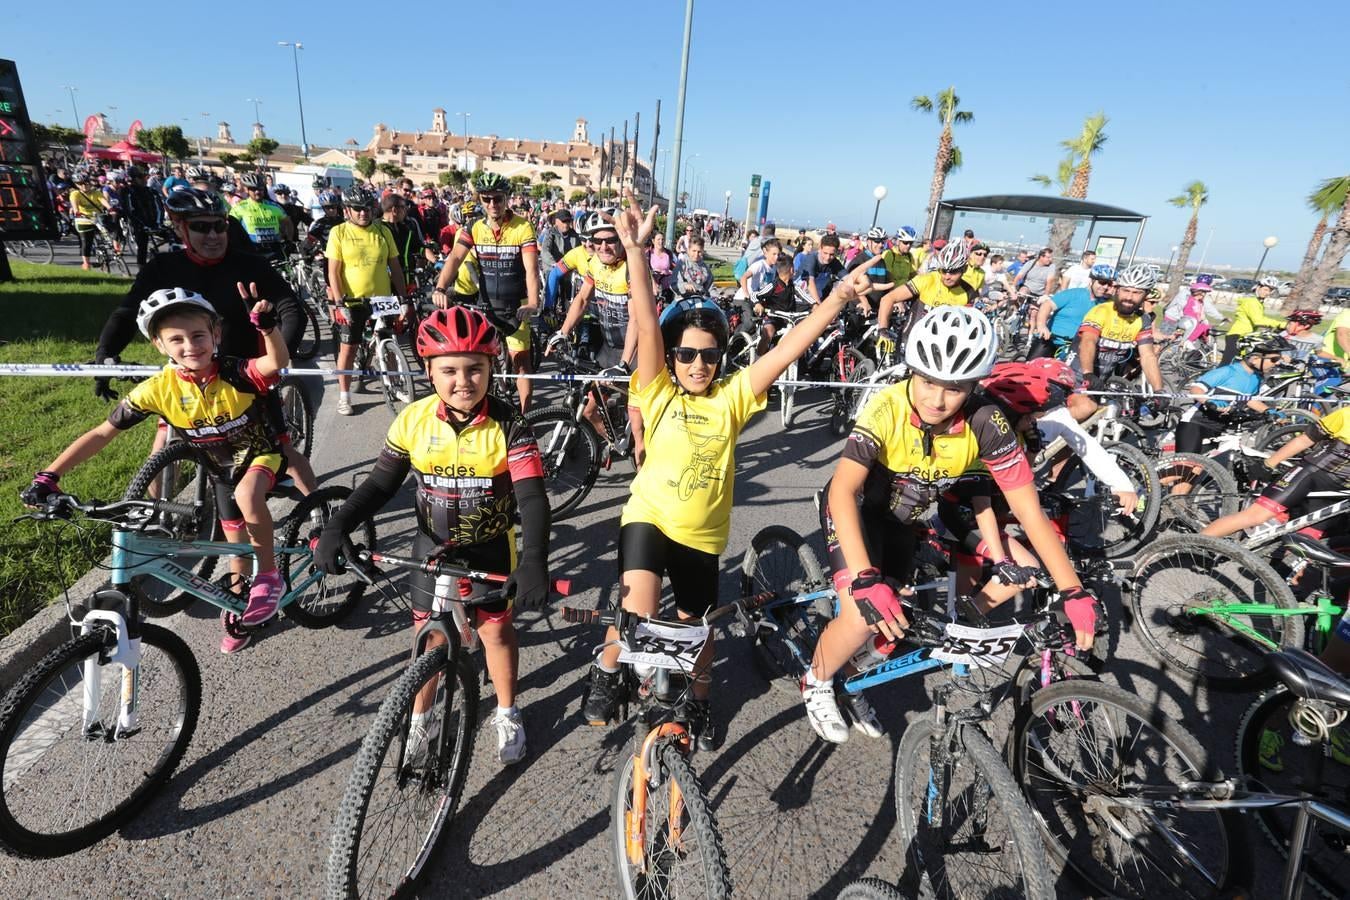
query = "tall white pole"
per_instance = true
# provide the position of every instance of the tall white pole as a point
(673, 196)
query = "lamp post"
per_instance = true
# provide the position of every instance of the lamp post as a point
(1268, 243)
(257, 116)
(74, 110)
(296, 47)
(1170, 259)
(679, 124)
(464, 160)
(879, 192)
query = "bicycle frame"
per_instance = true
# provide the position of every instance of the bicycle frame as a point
(1265, 534)
(1327, 611)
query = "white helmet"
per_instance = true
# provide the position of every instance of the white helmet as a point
(1136, 276)
(952, 257)
(876, 234)
(952, 343)
(1269, 281)
(162, 300)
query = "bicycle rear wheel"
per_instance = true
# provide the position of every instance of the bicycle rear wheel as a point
(400, 798)
(40, 252)
(855, 368)
(682, 853)
(396, 380)
(1196, 490)
(1096, 525)
(298, 413)
(870, 889)
(311, 338)
(328, 598)
(570, 449)
(69, 774)
(780, 561)
(962, 819)
(1177, 583)
(1272, 755)
(1086, 743)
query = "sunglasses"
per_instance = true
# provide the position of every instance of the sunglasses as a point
(360, 209)
(611, 242)
(218, 226)
(492, 198)
(686, 355)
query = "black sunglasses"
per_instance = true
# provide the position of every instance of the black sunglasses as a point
(492, 198)
(218, 226)
(685, 355)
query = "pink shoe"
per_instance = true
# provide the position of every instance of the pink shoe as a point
(230, 644)
(263, 598)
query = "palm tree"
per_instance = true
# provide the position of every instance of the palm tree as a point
(1082, 148)
(945, 105)
(1326, 199)
(1063, 177)
(1332, 256)
(1193, 196)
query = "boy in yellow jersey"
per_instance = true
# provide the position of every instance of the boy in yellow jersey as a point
(218, 403)
(677, 520)
(944, 286)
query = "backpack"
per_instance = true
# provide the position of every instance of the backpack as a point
(738, 270)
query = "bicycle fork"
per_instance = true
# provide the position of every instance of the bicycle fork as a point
(127, 654)
(644, 765)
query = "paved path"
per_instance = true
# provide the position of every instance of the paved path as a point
(249, 810)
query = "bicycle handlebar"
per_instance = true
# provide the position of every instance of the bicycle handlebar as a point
(436, 567)
(59, 506)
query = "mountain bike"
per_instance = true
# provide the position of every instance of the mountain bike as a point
(406, 784)
(104, 257)
(380, 351)
(39, 252)
(665, 839)
(90, 733)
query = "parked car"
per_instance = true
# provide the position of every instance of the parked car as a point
(1240, 286)
(1340, 296)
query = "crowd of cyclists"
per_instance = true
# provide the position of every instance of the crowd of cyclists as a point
(996, 357)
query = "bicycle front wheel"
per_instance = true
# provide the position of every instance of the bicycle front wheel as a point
(570, 450)
(325, 599)
(297, 411)
(1196, 490)
(396, 378)
(403, 794)
(72, 769)
(962, 819)
(679, 852)
(1087, 744)
(854, 369)
(1186, 593)
(780, 561)
(787, 396)
(870, 889)
(40, 252)
(311, 338)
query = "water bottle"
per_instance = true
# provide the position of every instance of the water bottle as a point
(876, 650)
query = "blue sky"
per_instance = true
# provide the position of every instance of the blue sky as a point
(1247, 97)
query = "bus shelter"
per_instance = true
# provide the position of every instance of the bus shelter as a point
(1027, 219)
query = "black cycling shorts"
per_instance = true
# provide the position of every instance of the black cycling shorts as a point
(496, 555)
(1288, 498)
(891, 544)
(1192, 433)
(692, 573)
(358, 313)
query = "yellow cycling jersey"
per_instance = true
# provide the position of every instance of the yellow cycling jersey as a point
(932, 292)
(685, 486)
(610, 300)
(224, 415)
(365, 254)
(465, 473)
(501, 259)
(261, 220)
(974, 277)
(1251, 315)
(1118, 336)
(909, 462)
(576, 259)
(1332, 347)
(85, 205)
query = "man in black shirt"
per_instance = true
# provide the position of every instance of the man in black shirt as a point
(298, 215)
(142, 208)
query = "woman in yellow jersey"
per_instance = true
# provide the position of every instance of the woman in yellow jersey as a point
(678, 517)
(86, 205)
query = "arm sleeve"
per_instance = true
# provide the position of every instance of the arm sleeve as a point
(121, 325)
(276, 289)
(535, 518)
(372, 494)
(1059, 423)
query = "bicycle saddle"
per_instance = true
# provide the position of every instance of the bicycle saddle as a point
(1309, 678)
(1317, 551)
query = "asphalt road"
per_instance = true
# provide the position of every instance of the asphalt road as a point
(249, 810)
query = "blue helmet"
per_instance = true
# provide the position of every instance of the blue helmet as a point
(1103, 272)
(696, 312)
(906, 233)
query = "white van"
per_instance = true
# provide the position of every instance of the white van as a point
(301, 182)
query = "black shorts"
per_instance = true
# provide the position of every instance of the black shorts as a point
(86, 236)
(891, 544)
(496, 555)
(1193, 432)
(1288, 497)
(692, 573)
(224, 482)
(358, 313)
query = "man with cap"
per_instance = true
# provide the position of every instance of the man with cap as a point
(557, 238)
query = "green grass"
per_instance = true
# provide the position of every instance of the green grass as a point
(55, 314)
(722, 270)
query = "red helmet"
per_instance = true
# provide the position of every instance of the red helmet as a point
(1025, 387)
(1311, 316)
(456, 330)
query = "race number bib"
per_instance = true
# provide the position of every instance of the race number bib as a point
(983, 647)
(385, 306)
(665, 646)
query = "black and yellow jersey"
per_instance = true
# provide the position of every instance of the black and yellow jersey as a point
(930, 290)
(911, 463)
(1330, 451)
(223, 415)
(1117, 337)
(464, 472)
(610, 300)
(501, 261)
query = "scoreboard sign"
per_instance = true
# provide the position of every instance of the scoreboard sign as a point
(25, 206)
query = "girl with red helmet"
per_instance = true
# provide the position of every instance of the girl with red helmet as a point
(476, 464)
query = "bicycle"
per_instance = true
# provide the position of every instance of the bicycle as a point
(77, 724)
(104, 257)
(381, 352)
(665, 838)
(39, 252)
(397, 780)
(1135, 807)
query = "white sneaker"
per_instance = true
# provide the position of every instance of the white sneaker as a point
(510, 736)
(863, 715)
(420, 738)
(344, 407)
(823, 713)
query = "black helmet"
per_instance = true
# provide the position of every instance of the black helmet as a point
(358, 196)
(490, 183)
(188, 202)
(1265, 344)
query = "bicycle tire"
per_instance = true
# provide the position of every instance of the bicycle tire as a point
(297, 410)
(1182, 572)
(180, 463)
(1272, 439)
(787, 396)
(435, 793)
(39, 252)
(401, 389)
(870, 889)
(331, 598)
(780, 560)
(1213, 493)
(311, 338)
(710, 877)
(1095, 528)
(992, 787)
(856, 369)
(1325, 868)
(570, 449)
(89, 759)
(1047, 761)
(114, 261)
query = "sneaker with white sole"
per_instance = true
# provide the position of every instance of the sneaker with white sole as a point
(344, 407)
(823, 712)
(231, 644)
(863, 715)
(263, 598)
(420, 738)
(510, 736)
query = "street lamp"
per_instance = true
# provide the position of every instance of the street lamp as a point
(112, 119)
(1268, 243)
(464, 161)
(879, 192)
(257, 116)
(296, 47)
(74, 110)
(1168, 276)
(679, 124)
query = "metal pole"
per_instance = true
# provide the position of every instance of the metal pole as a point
(876, 211)
(74, 110)
(1261, 264)
(656, 141)
(296, 47)
(637, 123)
(1139, 236)
(679, 123)
(1203, 253)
